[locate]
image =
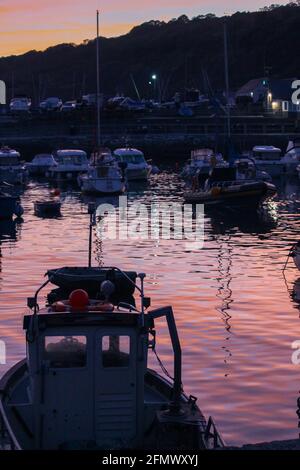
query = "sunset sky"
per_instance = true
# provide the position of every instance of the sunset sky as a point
(37, 24)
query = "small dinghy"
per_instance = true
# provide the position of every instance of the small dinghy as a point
(47, 208)
(86, 384)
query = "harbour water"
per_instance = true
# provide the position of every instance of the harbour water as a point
(236, 314)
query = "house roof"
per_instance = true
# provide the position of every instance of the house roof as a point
(281, 88)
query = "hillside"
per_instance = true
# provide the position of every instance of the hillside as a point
(182, 52)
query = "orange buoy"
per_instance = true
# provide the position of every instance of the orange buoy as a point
(79, 299)
(55, 192)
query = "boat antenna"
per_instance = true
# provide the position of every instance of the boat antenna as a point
(91, 212)
(98, 85)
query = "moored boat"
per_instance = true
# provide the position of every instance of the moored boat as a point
(70, 164)
(11, 169)
(104, 175)
(223, 187)
(201, 163)
(47, 208)
(137, 169)
(268, 158)
(86, 384)
(41, 165)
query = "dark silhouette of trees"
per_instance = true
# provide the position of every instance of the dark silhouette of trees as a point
(180, 52)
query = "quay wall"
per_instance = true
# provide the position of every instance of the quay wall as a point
(163, 138)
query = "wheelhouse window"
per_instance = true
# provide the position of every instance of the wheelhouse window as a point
(65, 351)
(115, 351)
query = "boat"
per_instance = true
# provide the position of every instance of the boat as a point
(41, 165)
(11, 169)
(104, 175)
(295, 254)
(137, 168)
(9, 206)
(47, 208)
(201, 162)
(268, 158)
(70, 164)
(223, 187)
(246, 169)
(291, 159)
(85, 382)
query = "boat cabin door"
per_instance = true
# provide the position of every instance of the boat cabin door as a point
(116, 398)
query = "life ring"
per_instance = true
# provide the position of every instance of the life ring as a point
(106, 307)
(59, 307)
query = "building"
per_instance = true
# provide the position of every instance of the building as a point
(274, 95)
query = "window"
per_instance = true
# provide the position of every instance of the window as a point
(65, 351)
(285, 106)
(115, 351)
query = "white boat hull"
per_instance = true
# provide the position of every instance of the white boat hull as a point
(102, 185)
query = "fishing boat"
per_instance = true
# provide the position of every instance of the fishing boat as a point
(268, 158)
(223, 187)
(104, 175)
(9, 206)
(11, 169)
(85, 382)
(137, 168)
(70, 164)
(201, 162)
(47, 208)
(41, 165)
(295, 253)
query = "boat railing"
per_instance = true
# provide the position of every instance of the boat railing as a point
(212, 436)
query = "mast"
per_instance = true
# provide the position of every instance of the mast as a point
(227, 78)
(98, 85)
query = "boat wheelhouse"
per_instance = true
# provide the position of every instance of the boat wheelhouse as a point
(268, 158)
(11, 169)
(201, 162)
(137, 168)
(246, 170)
(85, 383)
(41, 165)
(70, 164)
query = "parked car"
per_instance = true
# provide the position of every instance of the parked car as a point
(69, 106)
(51, 104)
(20, 104)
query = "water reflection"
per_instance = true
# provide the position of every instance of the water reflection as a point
(235, 317)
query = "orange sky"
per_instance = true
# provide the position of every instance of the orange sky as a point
(37, 24)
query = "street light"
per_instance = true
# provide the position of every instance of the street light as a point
(154, 78)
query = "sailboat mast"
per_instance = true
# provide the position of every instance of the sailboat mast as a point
(227, 78)
(98, 85)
